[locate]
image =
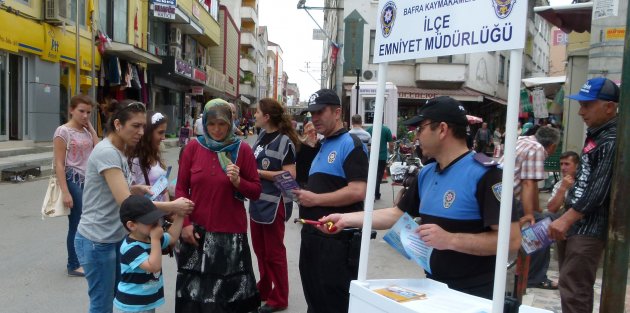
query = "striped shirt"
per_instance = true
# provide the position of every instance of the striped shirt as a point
(530, 162)
(138, 290)
(590, 194)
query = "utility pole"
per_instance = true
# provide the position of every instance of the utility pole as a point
(616, 254)
(340, 37)
(77, 69)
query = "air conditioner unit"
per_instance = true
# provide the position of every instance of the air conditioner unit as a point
(175, 36)
(175, 51)
(370, 75)
(55, 11)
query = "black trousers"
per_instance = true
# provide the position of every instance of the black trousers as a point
(325, 270)
(379, 178)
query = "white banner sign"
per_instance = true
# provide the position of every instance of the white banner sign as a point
(164, 11)
(413, 29)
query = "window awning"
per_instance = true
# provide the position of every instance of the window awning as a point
(461, 94)
(568, 17)
(131, 53)
(538, 81)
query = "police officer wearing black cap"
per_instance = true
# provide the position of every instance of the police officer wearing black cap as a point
(457, 198)
(336, 184)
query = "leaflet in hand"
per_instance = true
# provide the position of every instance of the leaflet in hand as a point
(403, 238)
(285, 182)
(160, 185)
(536, 237)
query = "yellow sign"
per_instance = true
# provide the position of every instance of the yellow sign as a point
(615, 33)
(7, 42)
(52, 39)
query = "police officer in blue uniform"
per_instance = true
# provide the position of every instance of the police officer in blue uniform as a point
(457, 198)
(336, 184)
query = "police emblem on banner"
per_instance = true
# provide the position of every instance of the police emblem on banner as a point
(496, 190)
(503, 8)
(332, 156)
(388, 16)
(265, 163)
(449, 198)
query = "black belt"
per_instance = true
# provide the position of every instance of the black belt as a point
(345, 234)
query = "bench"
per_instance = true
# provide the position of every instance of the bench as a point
(20, 173)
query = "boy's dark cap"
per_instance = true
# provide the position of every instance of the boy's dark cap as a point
(320, 99)
(139, 209)
(440, 109)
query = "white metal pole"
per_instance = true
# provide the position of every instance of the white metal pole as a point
(371, 184)
(507, 192)
(77, 64)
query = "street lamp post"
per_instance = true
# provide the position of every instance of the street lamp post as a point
(358, 72)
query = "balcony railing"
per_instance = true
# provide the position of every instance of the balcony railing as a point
(249, 39)
(249, 14)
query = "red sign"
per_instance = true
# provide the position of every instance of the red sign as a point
(560, 38)
(199, 75)
(197, 90)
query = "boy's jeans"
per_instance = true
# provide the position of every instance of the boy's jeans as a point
(101, 264)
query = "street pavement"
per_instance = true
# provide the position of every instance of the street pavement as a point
(34, 256)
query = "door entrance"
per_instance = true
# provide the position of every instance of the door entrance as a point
(15, 96)
(4, 108)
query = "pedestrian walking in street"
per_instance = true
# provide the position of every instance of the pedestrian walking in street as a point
(146, 162)
(309, 146)
(584, 224)
(529, 169)
(217, 171)
(72, 144)
(107, 185)
(336, 184)
(482, 138)
(274, 151)
(357, 130)
(457, 198)
(387, 145)
(141, 287)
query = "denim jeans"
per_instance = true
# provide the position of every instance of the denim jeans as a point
(75, 187)
(101, 263)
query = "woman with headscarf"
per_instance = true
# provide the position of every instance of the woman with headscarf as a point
(217, 171)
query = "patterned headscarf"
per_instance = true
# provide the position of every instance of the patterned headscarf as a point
(226, 149)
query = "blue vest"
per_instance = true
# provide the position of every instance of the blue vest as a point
(451, 194)
(269, 158)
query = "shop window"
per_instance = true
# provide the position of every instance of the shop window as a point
(368, 105)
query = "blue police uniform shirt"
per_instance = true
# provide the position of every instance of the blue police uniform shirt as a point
(464, 197)
(342, 158)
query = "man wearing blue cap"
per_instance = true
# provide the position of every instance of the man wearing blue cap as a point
(581, 231)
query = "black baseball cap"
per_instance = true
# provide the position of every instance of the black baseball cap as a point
(440, 109)
(139, 209)
(320, 99)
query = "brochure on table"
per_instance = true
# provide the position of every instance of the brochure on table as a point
(438, 298)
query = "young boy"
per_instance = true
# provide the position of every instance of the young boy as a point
(141, 287)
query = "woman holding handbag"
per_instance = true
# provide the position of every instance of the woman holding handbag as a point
(72, 144)
(107, 185)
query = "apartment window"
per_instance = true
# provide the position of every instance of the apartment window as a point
(102, 16)
(501, 69)
(158, 38)
(446, 59)
(73, 12)
(372, 39)
(190, 50)
(119, 13)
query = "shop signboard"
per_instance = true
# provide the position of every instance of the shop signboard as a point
(183, 68)
(164, 11)
(199, 75)
(165, 2)
(196, 90)
(412, 29)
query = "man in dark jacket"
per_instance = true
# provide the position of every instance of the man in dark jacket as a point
(584, 225)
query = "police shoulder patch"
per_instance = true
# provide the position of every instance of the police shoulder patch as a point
(496, 190)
